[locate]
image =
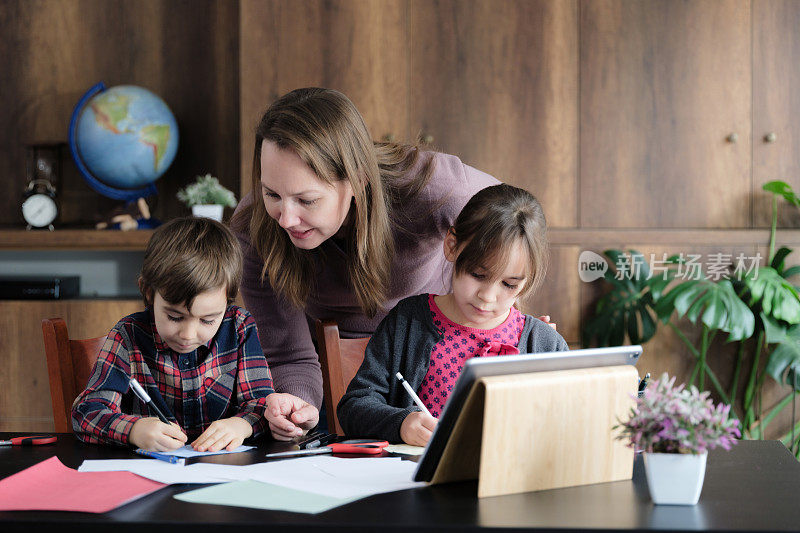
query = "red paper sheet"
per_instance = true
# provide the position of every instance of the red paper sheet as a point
(51, 486)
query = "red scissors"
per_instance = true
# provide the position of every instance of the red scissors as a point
(359, 446)
(32, 440)
(354, 446)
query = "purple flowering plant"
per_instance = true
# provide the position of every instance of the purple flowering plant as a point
(669, 419)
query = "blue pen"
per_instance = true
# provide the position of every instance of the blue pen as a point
(160, 456)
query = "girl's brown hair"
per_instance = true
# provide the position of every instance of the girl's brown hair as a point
(325, 129)
(188, 256)
(493, 220)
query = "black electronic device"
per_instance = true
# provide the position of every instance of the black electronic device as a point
(39, 287)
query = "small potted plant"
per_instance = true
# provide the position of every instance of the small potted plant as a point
(207, 197)
(674, 427)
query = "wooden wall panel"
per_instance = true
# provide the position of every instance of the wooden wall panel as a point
(53, 51)
(24, 386)
(496, 83)
(776, 104)
(359, 47)
(559, 295)
(663, 84)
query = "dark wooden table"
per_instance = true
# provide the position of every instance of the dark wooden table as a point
(754, 487)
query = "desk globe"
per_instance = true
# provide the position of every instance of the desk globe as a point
(122, 140)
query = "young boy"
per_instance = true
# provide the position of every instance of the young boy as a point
(197, 356)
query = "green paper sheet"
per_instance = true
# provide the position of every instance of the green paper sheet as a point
(263, 496)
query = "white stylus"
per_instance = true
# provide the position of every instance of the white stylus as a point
(413, 394)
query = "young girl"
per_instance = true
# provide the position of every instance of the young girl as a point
(498, 251)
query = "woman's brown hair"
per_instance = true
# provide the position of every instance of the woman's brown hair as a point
(493, 220)
(188, 256)
(325, 129)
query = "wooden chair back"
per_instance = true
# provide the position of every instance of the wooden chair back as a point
(69, 363)
(340, 359)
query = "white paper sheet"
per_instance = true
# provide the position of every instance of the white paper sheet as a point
(154, 469)
(328, 476)
(338, 477)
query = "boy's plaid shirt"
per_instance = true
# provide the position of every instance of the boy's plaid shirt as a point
(227, 377)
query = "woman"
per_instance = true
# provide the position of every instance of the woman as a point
(338, 227)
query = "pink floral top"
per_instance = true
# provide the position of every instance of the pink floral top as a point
(458, 344)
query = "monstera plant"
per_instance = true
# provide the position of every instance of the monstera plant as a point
(757, 308)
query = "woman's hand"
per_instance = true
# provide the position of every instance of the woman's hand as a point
(546, 320)
(289, 416)
(417, 428)
(154, 435)
(228, 433)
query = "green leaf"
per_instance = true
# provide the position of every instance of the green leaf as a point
(648, 326)
(715, 304)
(688, 294)
(780, 256)
(783, 362)
(792, 271)
(633, 328)
(778, 298)
(782, 188)
(624, 309)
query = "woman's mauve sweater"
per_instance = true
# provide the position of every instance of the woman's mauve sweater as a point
(419, 267)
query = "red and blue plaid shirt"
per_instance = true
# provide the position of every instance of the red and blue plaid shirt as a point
(227, 377)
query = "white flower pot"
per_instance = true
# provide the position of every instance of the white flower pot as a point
(675, 478)
(208, 210)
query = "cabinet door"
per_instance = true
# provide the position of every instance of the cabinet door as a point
(663, 85)
(776, 104)
(359, 47)
(495, 83)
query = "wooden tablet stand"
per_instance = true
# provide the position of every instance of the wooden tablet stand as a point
(543, 430)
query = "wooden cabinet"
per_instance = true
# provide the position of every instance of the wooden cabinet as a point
(493, 82)
(663, 84)
(359, 47)
(776, 104)
(24, 386)
(496, 83)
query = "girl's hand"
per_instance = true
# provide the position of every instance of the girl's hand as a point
(417, 428)
(546, 320)
(154, 435)
(289, 416)
(228, 433)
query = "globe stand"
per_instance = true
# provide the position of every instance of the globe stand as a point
(133, 215)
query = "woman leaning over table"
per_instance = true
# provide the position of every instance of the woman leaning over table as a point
(338, 227)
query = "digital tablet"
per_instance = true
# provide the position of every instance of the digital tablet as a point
(479, 367)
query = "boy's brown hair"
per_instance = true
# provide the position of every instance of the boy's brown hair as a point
(188, 256)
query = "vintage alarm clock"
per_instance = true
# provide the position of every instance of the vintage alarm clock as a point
(39, 206)
(39, 203)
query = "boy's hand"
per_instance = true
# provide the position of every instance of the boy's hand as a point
(417, 428)
(154, 435)
(228, 433)
(289, 416)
